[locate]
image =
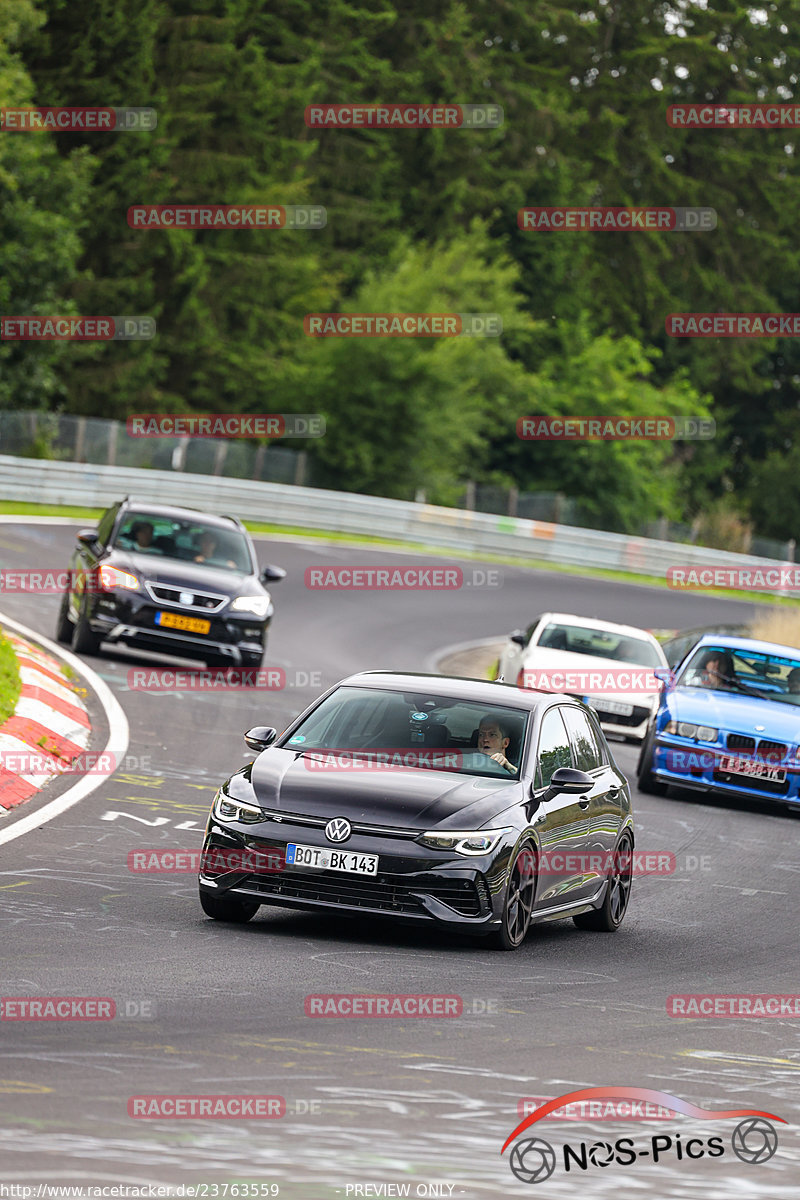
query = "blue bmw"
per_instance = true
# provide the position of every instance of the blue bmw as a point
(728, 722)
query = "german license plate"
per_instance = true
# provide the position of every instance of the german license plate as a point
(185, 624)
(751, 768)
(318, 858)
(614, 706)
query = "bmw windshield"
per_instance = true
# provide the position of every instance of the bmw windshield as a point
(760, 673)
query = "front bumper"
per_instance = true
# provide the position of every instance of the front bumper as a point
(696, 767)
(413, 884)
(130, 619)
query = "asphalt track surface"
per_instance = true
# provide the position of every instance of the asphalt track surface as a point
(425, 1103)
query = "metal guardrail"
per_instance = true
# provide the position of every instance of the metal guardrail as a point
(94, 486)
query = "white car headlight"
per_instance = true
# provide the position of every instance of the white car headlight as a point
(259, 606)
(478, 841)
(225, 809)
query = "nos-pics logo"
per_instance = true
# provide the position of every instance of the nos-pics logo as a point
(533, 1160)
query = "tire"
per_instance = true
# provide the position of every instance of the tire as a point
(84, 639)
(63, 623)
(611, 913)
(645, 779)
(517, 903)
(228, 908)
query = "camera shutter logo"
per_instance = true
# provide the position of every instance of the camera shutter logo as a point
(533, 1161)
(754, 1140)
(338, 830)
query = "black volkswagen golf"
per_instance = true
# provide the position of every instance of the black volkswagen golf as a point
(471, 805)
(168, 579)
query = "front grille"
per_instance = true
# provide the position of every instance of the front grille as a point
(740, 741)
(383, 893)
(636, 717)
(772, 752)
(163, 593)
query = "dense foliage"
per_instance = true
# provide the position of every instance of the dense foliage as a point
(419, 221)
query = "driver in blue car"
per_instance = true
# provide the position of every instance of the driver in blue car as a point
(793, 680)
(717, 671)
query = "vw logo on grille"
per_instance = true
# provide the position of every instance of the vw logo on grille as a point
(338, 830)
(187, 597)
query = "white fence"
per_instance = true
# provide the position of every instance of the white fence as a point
(53, 482)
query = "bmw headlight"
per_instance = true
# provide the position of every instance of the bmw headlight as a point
(701, 733)
(225, 809)
(259, 606)
(479, 841)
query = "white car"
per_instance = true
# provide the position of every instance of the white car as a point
(593, 660)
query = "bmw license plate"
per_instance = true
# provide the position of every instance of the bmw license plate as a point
(751, 768)
(319, 858)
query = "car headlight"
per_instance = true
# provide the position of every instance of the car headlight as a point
(112, 577)
(225, 809)
(259, 606)
(478, 841)
(701, 733)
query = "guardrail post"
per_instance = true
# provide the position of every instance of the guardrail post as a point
(513, 500)
(469, 499)
(219, 456)
(300, 468)
(80, 437)
(791, 546)
(113, 433)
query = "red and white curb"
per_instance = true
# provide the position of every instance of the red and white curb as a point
(50, 727)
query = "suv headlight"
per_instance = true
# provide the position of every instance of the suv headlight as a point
(259, 606)
(701, 733)
(109, 577)
(478, 841)
(225, 809)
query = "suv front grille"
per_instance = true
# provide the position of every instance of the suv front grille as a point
(207, 602)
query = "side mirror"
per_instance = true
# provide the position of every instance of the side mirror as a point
(270, 574)
(88, 538)
(518, 637)
(568, 781)
(260, 736)
(666, 676)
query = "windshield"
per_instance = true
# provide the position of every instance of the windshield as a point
(185, 540)
(366, 726)
(600, 643)
(748, 672)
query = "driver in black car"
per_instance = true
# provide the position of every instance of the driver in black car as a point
(208, 549)
(493, 739)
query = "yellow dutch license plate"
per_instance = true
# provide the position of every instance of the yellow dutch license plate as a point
(185, 624)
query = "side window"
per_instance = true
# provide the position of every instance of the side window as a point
(554, 749)
(107, 524)
(585, 749)
(529, 632)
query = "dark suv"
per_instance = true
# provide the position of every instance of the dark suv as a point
(170, 579)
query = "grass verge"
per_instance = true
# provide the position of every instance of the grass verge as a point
(10, 682)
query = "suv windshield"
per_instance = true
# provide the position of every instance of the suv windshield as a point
(601, 643)
(748, 672)
(185, 540)
(359, 727)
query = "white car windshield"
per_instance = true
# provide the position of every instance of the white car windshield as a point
(600, 643)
